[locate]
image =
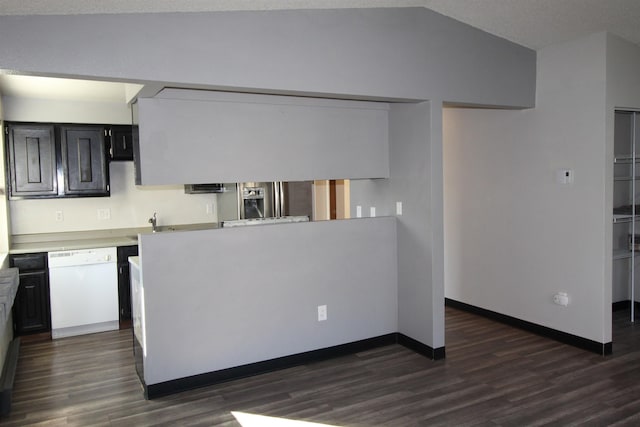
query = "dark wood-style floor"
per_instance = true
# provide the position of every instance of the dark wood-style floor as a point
(493, 375)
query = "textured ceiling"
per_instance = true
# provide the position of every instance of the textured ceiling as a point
(540, 23)
(531, 23)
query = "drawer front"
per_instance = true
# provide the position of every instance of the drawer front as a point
(29, 262)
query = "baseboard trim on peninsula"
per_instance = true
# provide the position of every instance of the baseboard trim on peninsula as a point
(563, 337)
(211, 378)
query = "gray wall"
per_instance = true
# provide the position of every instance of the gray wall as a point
(230, 137)
(515, 236)
(223, 298)
(393, 53)
(416, 182)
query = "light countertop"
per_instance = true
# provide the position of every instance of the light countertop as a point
(47, 242)
(62, 245)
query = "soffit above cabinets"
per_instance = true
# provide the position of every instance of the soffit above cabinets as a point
(50, 88)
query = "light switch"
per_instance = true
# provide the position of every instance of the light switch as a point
(372, 211)
(398, 208)
(358, 211)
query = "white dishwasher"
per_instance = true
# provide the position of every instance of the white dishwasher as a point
(83, 287)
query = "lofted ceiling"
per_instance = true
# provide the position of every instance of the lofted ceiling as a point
(531, 23)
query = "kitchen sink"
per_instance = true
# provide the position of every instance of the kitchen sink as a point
(185, 227)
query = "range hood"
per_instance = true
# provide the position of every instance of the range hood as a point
(203, 188)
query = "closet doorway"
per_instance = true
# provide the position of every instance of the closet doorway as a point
(626, 213)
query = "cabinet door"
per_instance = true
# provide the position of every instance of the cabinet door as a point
(31, 160)
(124, 292)
(124, 281)
(31, 308)
(121, 143)
(84, 160)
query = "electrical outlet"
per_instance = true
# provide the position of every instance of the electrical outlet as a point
(372, 211)
(358, 211)
(398, 208)
(322, 313)
(561, 298)
(104, 214)
(59, 216)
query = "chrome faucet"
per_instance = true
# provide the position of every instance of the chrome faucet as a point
(154, 221)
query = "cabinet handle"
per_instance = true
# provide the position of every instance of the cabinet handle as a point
(124, 142)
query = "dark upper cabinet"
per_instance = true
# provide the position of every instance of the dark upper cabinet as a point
(46, 160)
(121, 138)
(31, 312)
(31, 155)
(84, 160)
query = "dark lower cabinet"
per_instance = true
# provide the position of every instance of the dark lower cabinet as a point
(124, 281)
(31, 309)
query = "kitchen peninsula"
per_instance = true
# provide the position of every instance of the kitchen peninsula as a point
(248, 298)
